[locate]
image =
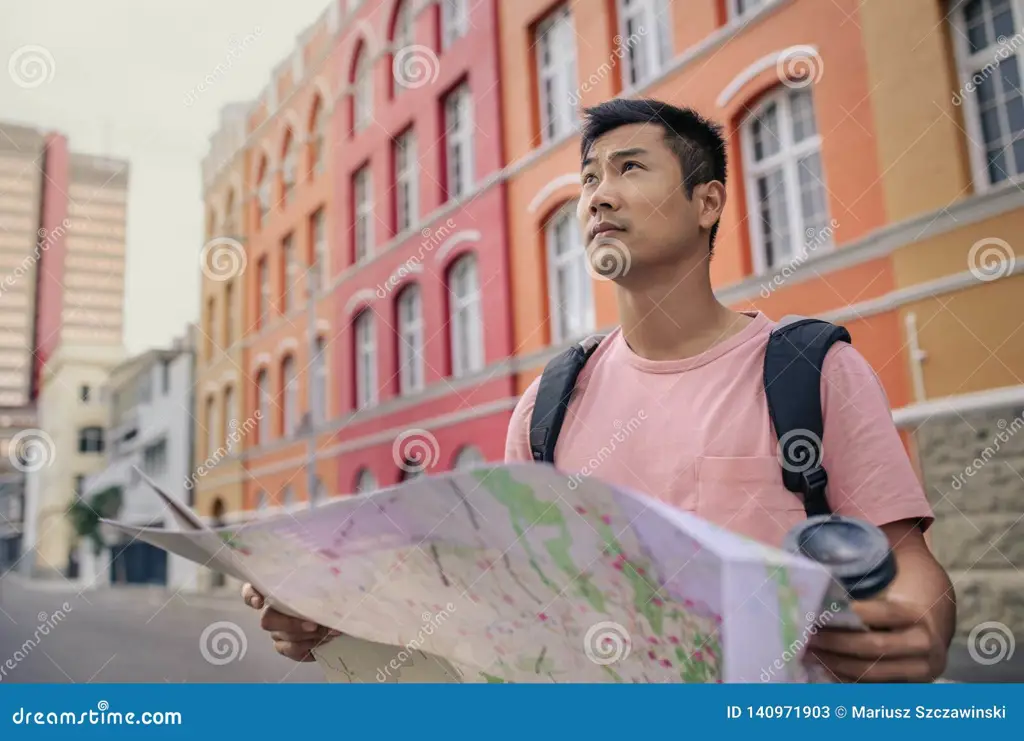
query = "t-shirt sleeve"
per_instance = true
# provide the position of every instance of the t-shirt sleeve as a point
(517, 441)
(870, 475)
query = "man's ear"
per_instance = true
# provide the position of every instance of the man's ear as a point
(712, 203)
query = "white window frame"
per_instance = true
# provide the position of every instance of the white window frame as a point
(366, 481)
(362, 187)
(362, 92)
(454, 21)
(656, 48)
(289, 396)
(289, 167)
(749, 7)
(788, 156)
(580, 301)
(366, 360)
(407, 197)
(230, 414)
(404, 36)
(318, 383)
(458, 127)
(263, 191)
(318, 236)
(291, 268)
(466, 312)
(319, 123)
(468, 457)
(287, 497)
(263, 404)
(557, 35)
(263, 275)
(213, 436)
(410, 340)
(968, 65)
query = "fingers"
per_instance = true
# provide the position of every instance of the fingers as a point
(297, 650)
(251, 597)
(872, 645)
(886, 614)
(852, 669)
(273, 621)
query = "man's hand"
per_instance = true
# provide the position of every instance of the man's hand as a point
(293, 637)
(899, 646)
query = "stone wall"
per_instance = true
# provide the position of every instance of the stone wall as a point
(973, 468)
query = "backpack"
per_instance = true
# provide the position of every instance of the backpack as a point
(792, 381)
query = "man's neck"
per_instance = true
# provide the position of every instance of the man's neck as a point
(675, 314)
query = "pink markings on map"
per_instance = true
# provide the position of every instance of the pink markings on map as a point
(329, 554)
(606, 519)
(542, 617)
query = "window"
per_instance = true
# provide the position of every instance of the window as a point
(994, 108)
(213, 436)
(454, 21)
(364, 213)
(211, 319)
(79, 484)
(646, 52)
(468, 457)
(263, 406)
(366, 361)
(289, 166)
(318, 241)
(406, 183)
(90, 440)
(459, 141)
(365, 482)
(466, 321)
(230, 417)
(362, 94)
(230, 220)
(261, 500)
(289, 397)
(154, 458)
(84, 394)
(556, 73)
(410, 340)
(229, 313)
(317, 494)
(318, 383)
(263, 191)
(317, 145)
(290, 274)
(569, 285)
(263, 275)
(404, 36)
(738, 8)
(287, 497)
(785, 188)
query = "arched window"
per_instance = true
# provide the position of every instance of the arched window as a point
(261, 500)
(647, 53)
(466, 319)
(410, 340)
(318, 383)
(785, 188)
(263, 406)
(289, 397)
(213, 436)
(365, 481)
(263, 189)
(287, 497)
(569, 284)
(230, 417)
(90, 440)
(362, 93)
(317, 134)
(289, 165)
(366, 360)
(230, 218)
(468, 457)
(317, 494)
(403, 36)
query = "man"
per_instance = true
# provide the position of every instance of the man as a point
(653, 190)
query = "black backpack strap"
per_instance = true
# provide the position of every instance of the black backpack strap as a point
(792, 383)
(553, 394)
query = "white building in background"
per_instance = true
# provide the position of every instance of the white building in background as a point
(150, 408)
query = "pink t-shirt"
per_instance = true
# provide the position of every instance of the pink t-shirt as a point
(696, 434)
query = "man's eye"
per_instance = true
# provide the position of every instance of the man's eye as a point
(628, 164)
(588, 177)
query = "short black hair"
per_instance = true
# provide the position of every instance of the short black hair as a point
(696, 141)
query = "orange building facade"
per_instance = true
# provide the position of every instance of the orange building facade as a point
(872, 181)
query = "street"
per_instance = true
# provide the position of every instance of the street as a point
(153, 635)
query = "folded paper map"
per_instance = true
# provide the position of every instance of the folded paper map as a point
(519, 573)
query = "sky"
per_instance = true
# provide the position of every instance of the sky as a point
(122, 71)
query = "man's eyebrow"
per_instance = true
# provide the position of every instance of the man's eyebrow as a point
(616, 155)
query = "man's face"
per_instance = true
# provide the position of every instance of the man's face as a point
(633, 211)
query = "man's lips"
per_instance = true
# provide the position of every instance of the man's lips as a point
(605, 228)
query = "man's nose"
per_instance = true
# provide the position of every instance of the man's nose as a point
(603, 199)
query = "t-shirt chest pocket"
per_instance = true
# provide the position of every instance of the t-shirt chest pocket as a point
(746, 495)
